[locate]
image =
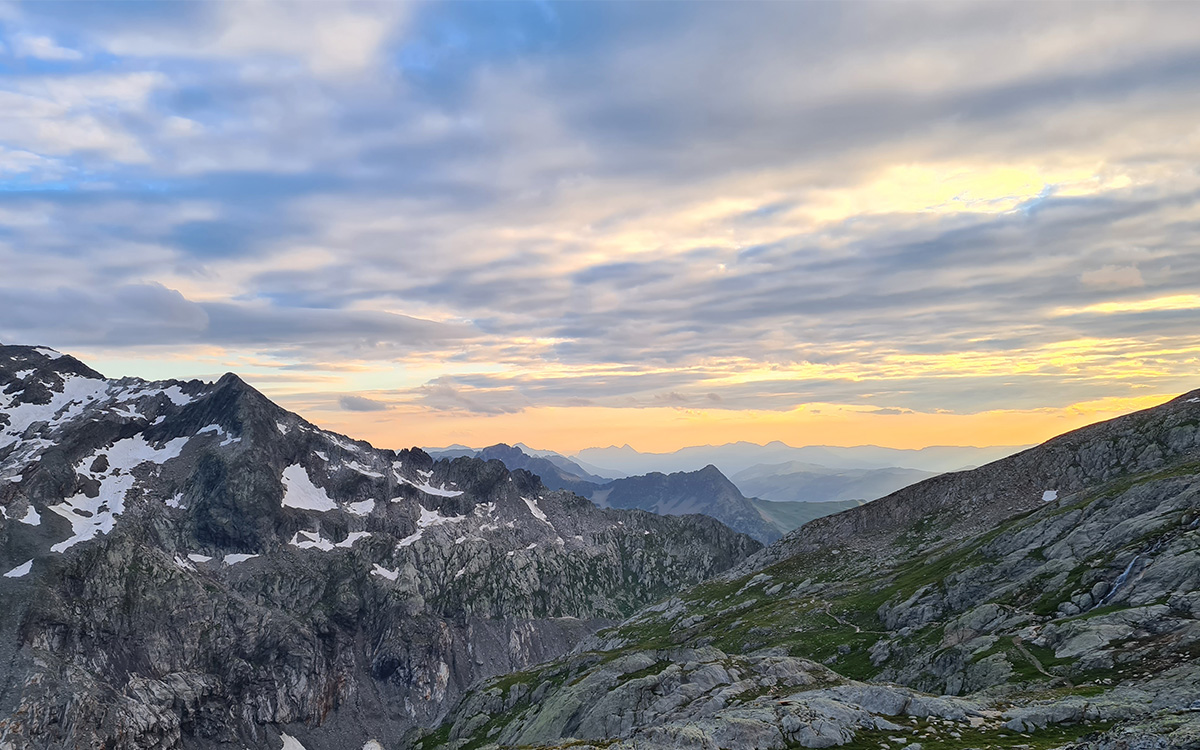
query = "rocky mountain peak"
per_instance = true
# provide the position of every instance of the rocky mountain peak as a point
(235, 555)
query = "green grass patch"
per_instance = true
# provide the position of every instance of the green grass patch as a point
(983, 739)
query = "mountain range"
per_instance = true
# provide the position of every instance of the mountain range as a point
(784, 495)
(733, 458)
(185, 564)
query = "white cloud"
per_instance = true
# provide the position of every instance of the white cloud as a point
(25, 162)
(43, 48)
(331, 39)
(61, 115)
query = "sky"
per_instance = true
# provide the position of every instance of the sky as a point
(581, 224)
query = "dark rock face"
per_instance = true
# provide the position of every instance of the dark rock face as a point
(189, 565)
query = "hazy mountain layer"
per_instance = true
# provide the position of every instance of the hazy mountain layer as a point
(733, 458)
(797, 481)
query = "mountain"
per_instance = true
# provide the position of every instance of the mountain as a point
(733, 458)
(557, 473)
(791, 515)
(186, 564)
(706, 491)
(451, 452)
(798, 481)
(575, 465)
(1050, 599)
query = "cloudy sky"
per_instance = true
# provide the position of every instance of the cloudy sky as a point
(583, 224)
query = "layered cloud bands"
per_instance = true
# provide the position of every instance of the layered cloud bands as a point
(583, 223)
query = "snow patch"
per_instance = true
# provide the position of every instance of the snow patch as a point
(183, 564)
(31, 517)
(356, 466)
(300, 492)
(411, 539)
(537, 512)
(237, 557)
(196, 557)
(76, 395)
(220, 432)
(361, 508)
(177, 396)
(341, 442)
(20, 571)
(49, 353)
(290, 742)
(383, 572)
(311, 540)
(90, 516)
(429, 489)
(351, 538)
(283, 429)
(321, 455)
(1049, 496)
(428, 518)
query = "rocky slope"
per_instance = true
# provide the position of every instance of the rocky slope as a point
(185, 564)
(1048, 599)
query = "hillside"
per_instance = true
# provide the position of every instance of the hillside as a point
(791, 515)
(1048, 599)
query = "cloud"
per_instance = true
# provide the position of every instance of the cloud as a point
(619, 205)
(351, 402)
(1113, 277)
(42, 48)
(331, 39)
(153, 315)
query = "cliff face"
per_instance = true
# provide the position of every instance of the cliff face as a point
(187, 564)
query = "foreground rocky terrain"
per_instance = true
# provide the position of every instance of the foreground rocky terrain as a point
(1048, 599)
(187, 565)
